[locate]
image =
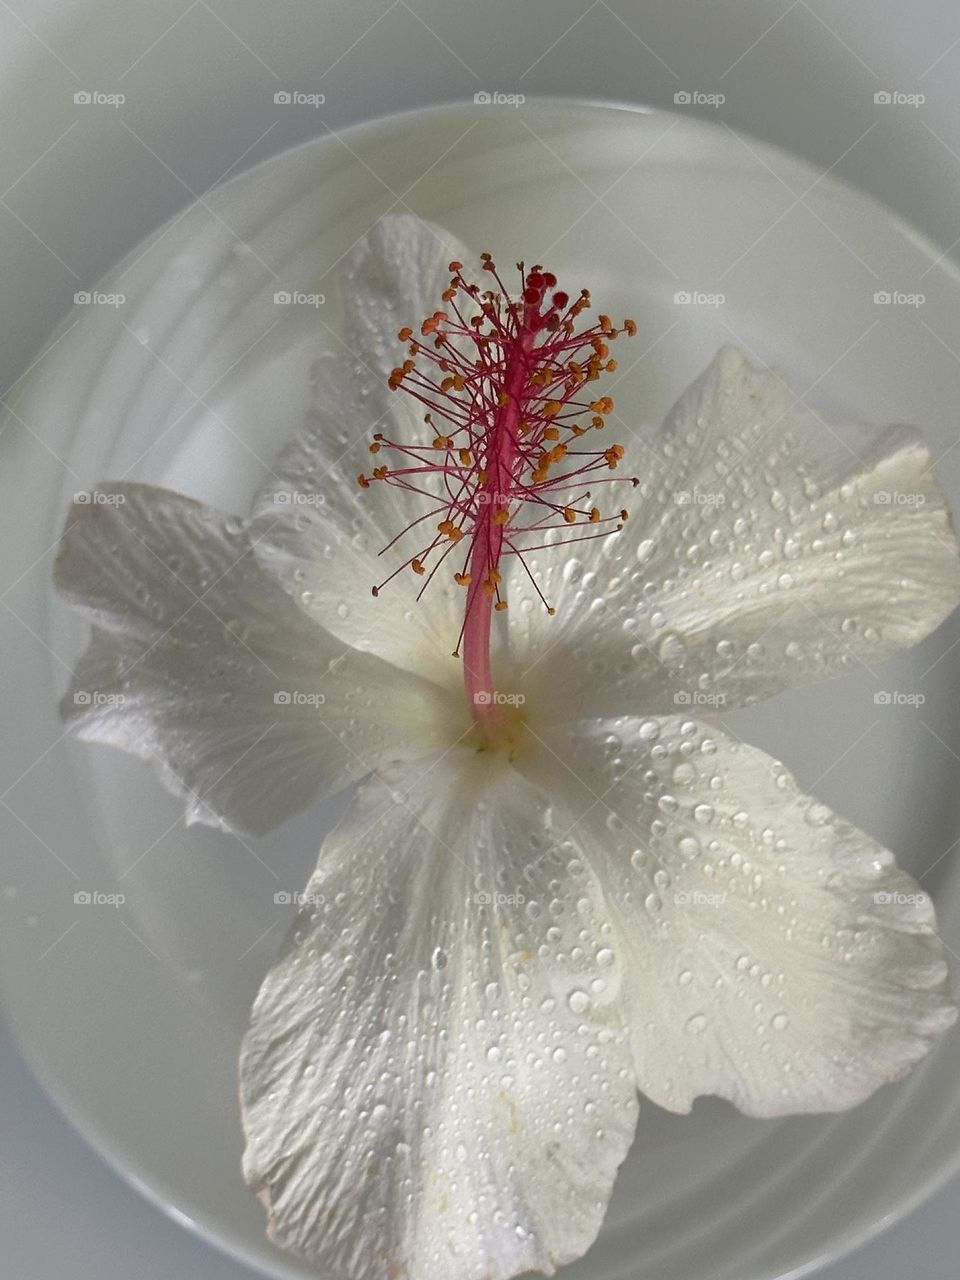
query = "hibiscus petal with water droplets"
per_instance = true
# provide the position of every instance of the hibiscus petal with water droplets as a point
(773, 954)
(436, 1078)
(762, 552)
(200, 663)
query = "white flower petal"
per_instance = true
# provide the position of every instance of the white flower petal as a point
(394, 277)
(435, 1082)
(201, 663)
(773, 954)
(317, 530)
(760, 554)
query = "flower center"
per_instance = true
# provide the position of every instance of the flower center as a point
(508, 427)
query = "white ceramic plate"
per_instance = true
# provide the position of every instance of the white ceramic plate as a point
(132, 1014)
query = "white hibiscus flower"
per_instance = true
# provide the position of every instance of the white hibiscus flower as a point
(532, 911)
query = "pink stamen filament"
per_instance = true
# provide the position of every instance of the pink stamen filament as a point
(504, 413)
(489, 534)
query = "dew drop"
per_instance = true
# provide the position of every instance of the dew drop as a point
(578, 1001)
